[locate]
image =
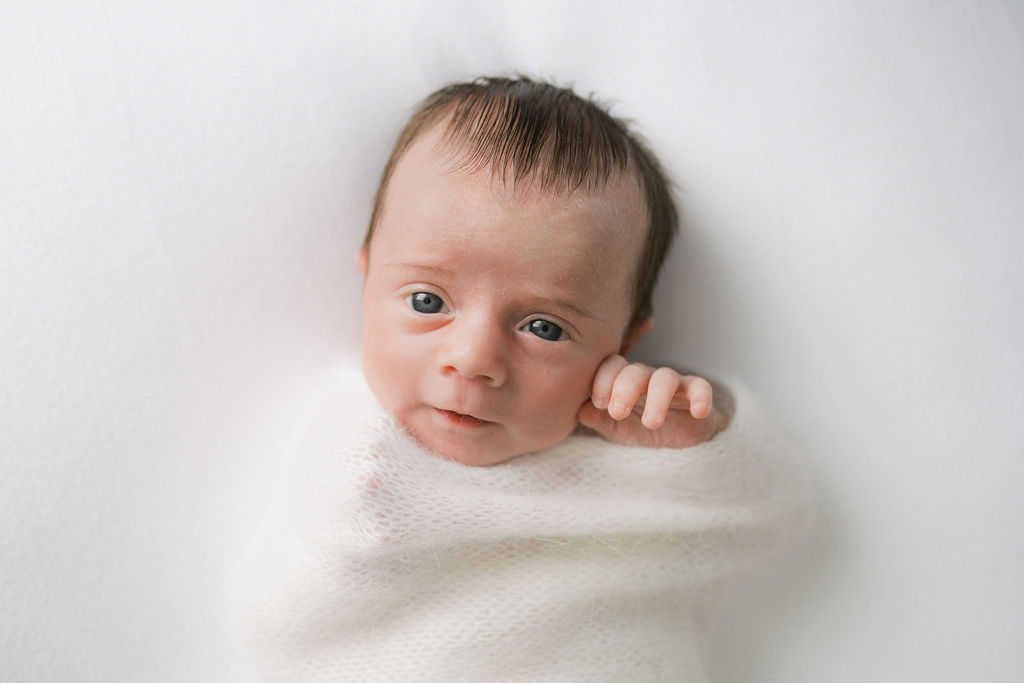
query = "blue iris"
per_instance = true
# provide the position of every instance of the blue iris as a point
(425, 302)
(545, 330)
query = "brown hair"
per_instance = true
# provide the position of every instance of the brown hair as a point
(527, 129)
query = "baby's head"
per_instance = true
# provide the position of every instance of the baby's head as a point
(515, 241)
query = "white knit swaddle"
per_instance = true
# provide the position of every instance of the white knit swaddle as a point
(587, 561)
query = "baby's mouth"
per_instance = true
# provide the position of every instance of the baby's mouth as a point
(461, 419)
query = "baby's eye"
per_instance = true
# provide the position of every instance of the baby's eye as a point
(546, 329)
(425, 302)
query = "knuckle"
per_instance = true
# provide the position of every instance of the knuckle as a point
(637, 371)
(615, 363)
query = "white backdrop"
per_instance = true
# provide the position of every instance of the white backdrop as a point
(183, 188)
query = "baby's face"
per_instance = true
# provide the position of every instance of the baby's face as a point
(488, 311)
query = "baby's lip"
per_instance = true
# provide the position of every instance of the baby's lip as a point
(462, 419)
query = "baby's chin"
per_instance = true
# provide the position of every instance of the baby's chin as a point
(474, 452)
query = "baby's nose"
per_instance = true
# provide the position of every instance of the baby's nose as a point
(475, 349)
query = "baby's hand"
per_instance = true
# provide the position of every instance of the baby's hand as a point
(637, 405)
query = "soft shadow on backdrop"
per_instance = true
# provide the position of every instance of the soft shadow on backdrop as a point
(183, 189)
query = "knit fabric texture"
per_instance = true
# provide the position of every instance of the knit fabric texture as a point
(588, 561)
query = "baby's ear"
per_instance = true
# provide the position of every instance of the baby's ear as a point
(363, 259)
(638, 330)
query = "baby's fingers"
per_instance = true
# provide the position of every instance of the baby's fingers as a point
(604, 380)
(661, 390)
(700, 395)
(630, 383)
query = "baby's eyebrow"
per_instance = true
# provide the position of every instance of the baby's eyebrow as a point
(420, 266)
(573, 307)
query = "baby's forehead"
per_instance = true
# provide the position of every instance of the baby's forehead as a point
(436, 181)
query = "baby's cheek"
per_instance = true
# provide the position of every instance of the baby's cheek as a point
(557, 414)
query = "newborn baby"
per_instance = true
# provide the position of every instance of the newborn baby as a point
(500, 495)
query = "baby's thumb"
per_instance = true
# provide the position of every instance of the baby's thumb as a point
(598, 420)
